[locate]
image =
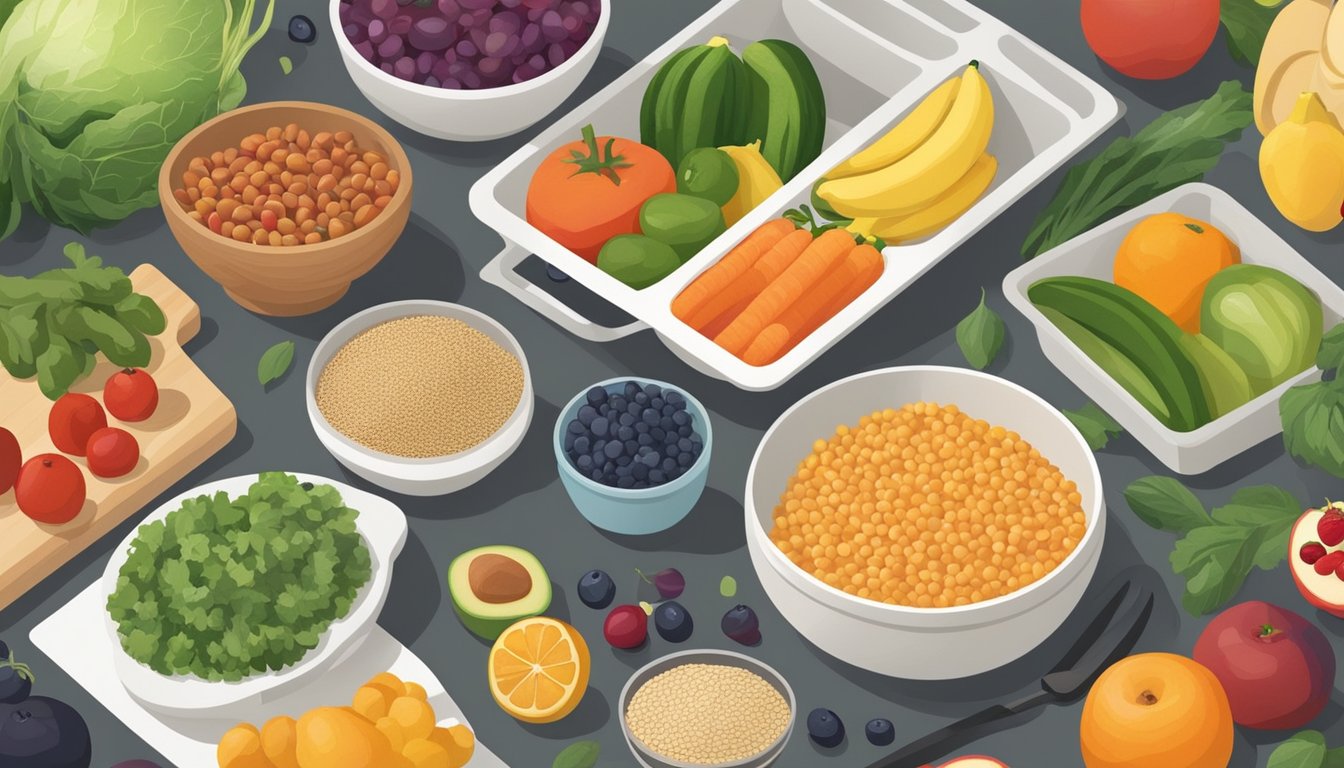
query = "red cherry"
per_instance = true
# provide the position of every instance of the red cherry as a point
(73, 419)
(50, 489)
(112, 452)
(626, 626)
(1331, 527)
(131, 395)
(1311, 552)
(1327, 565)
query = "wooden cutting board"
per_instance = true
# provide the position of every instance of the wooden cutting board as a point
(192, 422)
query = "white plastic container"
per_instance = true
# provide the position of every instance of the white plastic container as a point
(1092, 254)
(902, 641)
(877, 59)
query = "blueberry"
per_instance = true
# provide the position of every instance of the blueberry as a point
(641, 399)
(657, 476)
(741, 625)
(301, 29)
(596, 589)
(650, 417)
(16, 679)
(669, 464)
(586, 415)
(613, 449)
(597, 396)
(652, 459)
(670, 438)
(596, 475)
(642, 428)
(599, 426)
(681, 418)
(673, 622)
(556, 275)
(641, 483)
(644, 439)
(583, 444)
(568, 442)
(585, 463)
(667, 424)
(630, 389)
(657, 403)
(635, 409)
(825, 728)
(618, 403)
(622, 461)
(880, 732)
(684, 431)
(653, 390)
(685, 459)
(659, 434)
(684, 444)
(576, 428)
(639, 470)
(675, 399)
(625, 482)
(631, 447)
(625, 434)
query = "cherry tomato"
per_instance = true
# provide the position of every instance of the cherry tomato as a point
(11, 459)
(131, 395)
(1150, 39)
(112, 452)
(73, 420)
(50, 489)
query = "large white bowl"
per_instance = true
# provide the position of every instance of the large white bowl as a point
(383, 527)
(921, 643)
(419, 477)
(462, 115)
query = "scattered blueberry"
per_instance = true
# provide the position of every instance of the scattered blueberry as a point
(669, 582)
(301, 29)
(43, 732)
(673, 622)
(16, 680)
(596, 589)
(741, 625)
(880, 732)
(556, 275)
(633, 424)
(825, 728)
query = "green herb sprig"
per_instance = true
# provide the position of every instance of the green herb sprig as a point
(1096, 425)
(1306, 750)
(980, 335)
(1313, 414)
(580, 754)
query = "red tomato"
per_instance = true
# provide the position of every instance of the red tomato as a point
(1150, 39)
(11, 458)
(50, 489)
(112, 452)
(73, 420)
(131, 395)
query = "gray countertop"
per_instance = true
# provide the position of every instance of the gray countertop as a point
(522, 503)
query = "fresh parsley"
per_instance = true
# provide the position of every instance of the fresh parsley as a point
(1096, 426)
(980, 335)
(1217, 550)
(1176, 148)
(1313, 414)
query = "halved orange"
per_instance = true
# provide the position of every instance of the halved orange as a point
(538, 669)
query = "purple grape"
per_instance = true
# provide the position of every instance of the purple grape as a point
(432, 34)
(384, 9)
(510, 3)
(741, 625)
(669, 582)
(391, 48)
(452, 83)
(361, 13)
(386, 66)
(478, 35)
(377, 31)
(440, 70)
(424, 63)
(400, 25)
(538, 4)
(553, 27)
(505, 21)
(531, 38)
(477, 5)
(365, 49)
(466, 48)
(450, 9)
(555, 55)
(355, 33)
(572, 24)
(499, 44)
(489, 66)
(344, 13)
(404, 68)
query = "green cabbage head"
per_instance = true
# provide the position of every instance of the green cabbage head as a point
(1266, 321)
(94, 94)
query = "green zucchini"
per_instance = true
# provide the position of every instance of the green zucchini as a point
(788, 112)
(700, 97)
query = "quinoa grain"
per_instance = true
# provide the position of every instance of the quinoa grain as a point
(707, 714)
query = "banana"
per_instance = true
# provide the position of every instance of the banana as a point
(758, 180)
(906, 137)
(929, 171)
(941, 212)
(1290, 60)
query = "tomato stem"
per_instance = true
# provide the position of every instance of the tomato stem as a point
(603, 163)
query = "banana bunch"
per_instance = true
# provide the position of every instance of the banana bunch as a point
(925, 172)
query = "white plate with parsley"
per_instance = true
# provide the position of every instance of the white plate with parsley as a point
(240, 591)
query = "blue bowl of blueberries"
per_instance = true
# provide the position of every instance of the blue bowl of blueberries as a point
(633, 454)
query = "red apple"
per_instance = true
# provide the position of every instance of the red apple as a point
(1277, 668)
(1316, 557)
(974, 761)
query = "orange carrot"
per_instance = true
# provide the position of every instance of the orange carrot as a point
(715, 327)
(860, 269)
(690, 303)
(796, 280)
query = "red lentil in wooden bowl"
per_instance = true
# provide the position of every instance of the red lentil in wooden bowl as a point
(286, 203)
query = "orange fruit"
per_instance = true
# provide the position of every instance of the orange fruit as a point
(1168, 259)
(538, 669)
(337, 737)
(458, 741)
(241, 748)
(1156, 709)
(279, 740)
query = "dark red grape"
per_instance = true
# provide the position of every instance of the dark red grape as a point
(400, 25)
(391, 48)
(384, 9)
(377, 31)
(432, 33)
(669, 582)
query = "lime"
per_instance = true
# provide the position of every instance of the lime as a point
(709, 174)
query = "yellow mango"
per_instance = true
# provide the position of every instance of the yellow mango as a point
(280, 742)
(372, 701)
(338, 737)
(416, 691)
(415, 717)
(458, 741)
(391, 681)
(241, 748)
(423, 753)
(396, 735)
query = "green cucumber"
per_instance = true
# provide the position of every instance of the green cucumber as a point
(1226, 385)
(788, 106)
(685, 222)
(1108, 358)
(700, 97)
(1138, 331)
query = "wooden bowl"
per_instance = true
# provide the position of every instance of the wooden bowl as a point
(294, 280)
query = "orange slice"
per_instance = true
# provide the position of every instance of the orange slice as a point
(538, 669)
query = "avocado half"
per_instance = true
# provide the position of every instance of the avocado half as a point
(492, 587)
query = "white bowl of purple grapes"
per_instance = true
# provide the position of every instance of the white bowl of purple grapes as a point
(469, 70)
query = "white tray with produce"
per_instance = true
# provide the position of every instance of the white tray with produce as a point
(876, 62)
(1092, 255)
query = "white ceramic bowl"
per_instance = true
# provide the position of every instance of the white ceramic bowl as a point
(462, 115)
(419, 477)
(383, 527)
(921, 643)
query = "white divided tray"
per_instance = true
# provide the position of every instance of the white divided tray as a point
(1092, 254)
(72, 639)
(877, 59)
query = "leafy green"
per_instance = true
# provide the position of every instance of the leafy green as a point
(224, 589)
(1247, 25)
(275, 362)
(980, 335)
(1313, 414)
(1218, 550)
(1305, 750)
(1176, 148)
(728, 586)
(52, 325)
(94, 94)
(1096, 425)
(580, 754)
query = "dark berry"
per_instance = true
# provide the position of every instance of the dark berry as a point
(741, 625)
(673, 622)
(880, 732)
(301, 29)
(596, 589)
(825, 728)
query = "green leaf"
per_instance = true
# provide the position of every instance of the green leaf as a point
(1214, 560)
(59, 366)
(1095, 424)
(580, 754)
(1247, 23)
(1165, 504)
(1176, 148)
(728, 586)
(1334, 758)
(1330, 357)
(1268, 508)
(980, 335)
(1303, 750)
(275, 362)
(286, 65)
(1313, 424)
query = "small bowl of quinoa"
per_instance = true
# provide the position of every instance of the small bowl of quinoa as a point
(420, 397)
(924, 522)
(707, 709)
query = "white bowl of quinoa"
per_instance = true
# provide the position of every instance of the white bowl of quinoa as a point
(707, 709)
(420, 397)
(924, 522)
